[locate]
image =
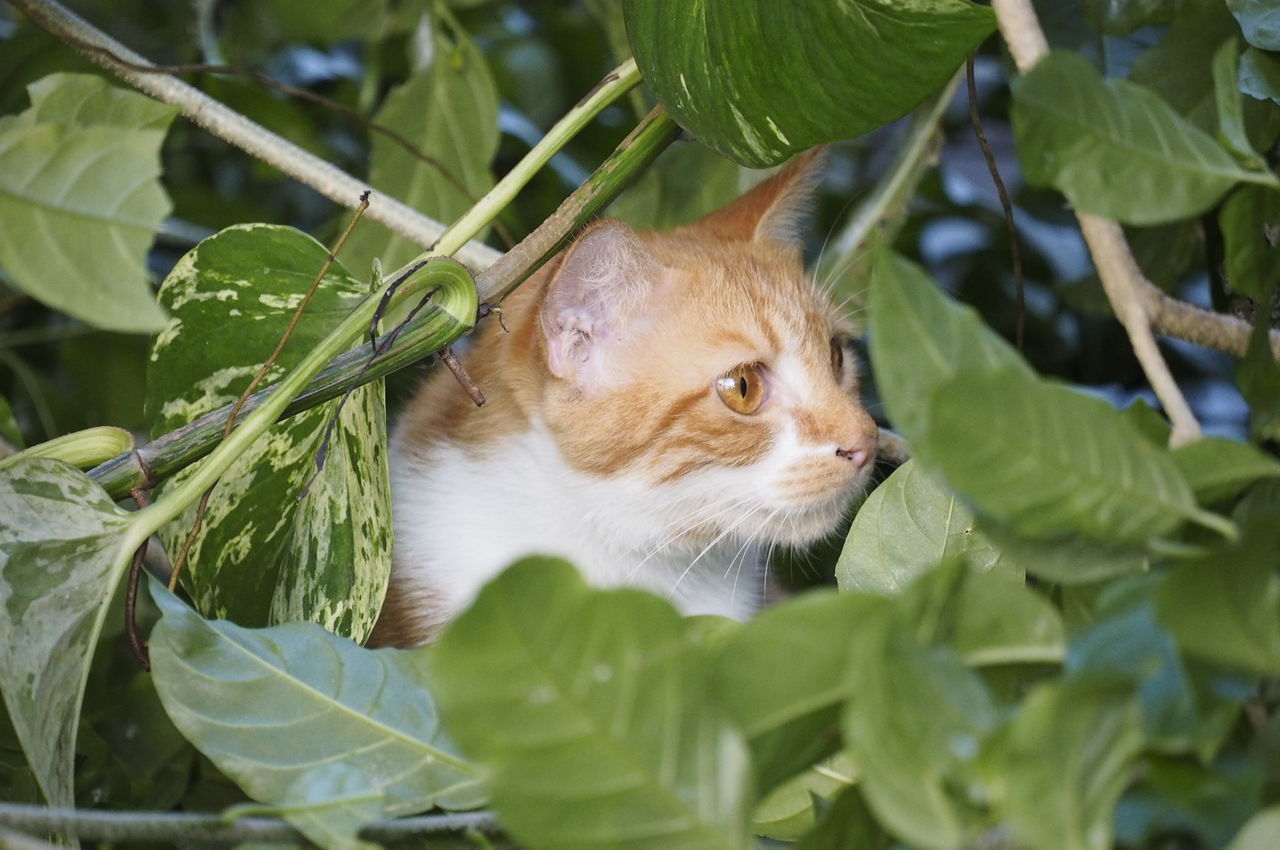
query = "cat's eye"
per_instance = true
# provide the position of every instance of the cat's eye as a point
(837, 357)
(742, 388)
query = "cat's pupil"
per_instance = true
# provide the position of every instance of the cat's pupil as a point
(742, 386)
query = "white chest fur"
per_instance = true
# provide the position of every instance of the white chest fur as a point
(463, 515)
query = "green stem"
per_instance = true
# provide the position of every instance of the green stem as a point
(81, 449)
(178, 449)
(458, 299)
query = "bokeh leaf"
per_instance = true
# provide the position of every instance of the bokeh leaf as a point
(263, 554)
(591, 710)
(80, 199)
(1249, 219)
(1262, 832)
(1260, 74)
(715, 66)
(1115, 148)
(1218, 468)
(1260, 21)
(1058, 768)
(449, 112)
(331, 734)
(915, 721)
(59, 565)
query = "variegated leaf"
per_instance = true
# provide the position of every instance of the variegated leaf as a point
(59, 565)
(268, 552)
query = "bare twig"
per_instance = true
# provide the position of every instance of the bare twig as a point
(1015, 253)
(1122, 279)
(137, 645)
(460, 374)
(231, 126)
(257, 379)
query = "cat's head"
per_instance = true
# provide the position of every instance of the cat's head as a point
(706, 363)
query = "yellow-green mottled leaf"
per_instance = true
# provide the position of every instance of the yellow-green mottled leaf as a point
(267, 553)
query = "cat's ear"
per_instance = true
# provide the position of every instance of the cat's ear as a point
(774, 211)
(601, 280)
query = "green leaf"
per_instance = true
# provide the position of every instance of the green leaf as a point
(1260, 21)
(263, 554)
(909, 525)
(1262, 832)
(1067, 560)
(330, 734)
(1058, 768)
(685, 182)
(791, 810)
(938, 711)
(1114, 148)
(1179, 67)
(987, 617)
(591, 710)
(1119, 17)
(449, 112)
(715, 66)
(1260, 74)
(1250, 220)
(780, 690)
(1258, 374)
(921, 339)
(59, 536)
(1218, 468)
(1225, 606)
(80, 200)
(1231, 122)
(846, 824)
(1049, 461)
(9, 430)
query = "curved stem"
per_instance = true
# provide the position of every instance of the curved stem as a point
(1121, 278)
(231, 126)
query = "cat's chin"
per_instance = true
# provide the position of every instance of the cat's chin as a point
(806, 524)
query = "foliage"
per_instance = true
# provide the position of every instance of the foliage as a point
(1049, 629)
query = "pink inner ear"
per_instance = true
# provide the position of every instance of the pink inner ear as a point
(600, 281)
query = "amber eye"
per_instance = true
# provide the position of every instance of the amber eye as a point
(837, 357)
(742, 388)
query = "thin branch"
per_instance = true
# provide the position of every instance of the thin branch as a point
(1122, 279)
(1015, 251)
(183, 827)
(232, 127)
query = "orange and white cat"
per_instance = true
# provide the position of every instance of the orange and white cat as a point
(663, 408)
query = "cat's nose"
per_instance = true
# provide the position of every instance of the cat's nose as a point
(859, 453)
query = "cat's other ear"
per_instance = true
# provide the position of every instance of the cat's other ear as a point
(591, 296)
(774, 211)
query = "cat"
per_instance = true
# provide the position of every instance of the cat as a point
(663, 407)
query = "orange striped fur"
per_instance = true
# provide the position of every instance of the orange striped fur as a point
(604, 438)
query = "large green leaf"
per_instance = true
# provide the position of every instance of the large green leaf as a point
(1058, 769)
(916, 719)
(685, 182)
(449, 112)
(1049, 461)
(331, 734)
(80, 200)
(1218, 468)
(1225, 606)
(59, 536)
(783, 676)
(755, 80)
(591, 709)
(1230, 102)
(921, 339)
(792, 809)
(1115, 148)
(263, 554)
(909, 525)
(1260, 74)
(1260, 21)
(1247, 219)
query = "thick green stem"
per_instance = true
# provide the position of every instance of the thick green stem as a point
(174, 451)
(81, 449)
